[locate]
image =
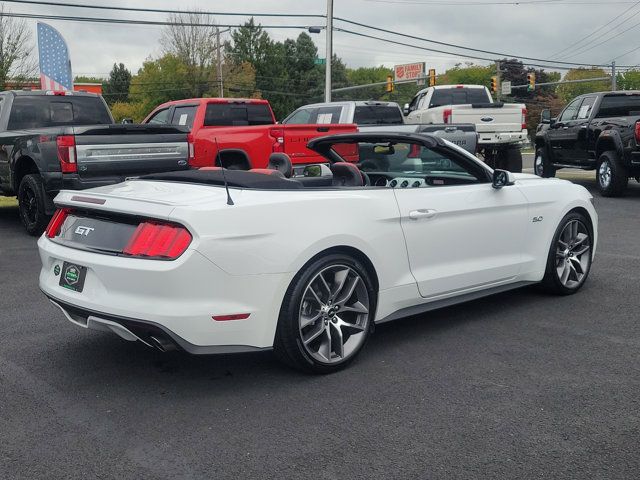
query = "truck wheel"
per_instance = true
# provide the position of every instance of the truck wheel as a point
(514, 160)
(31, 204)
(541, 165)
(611, 175)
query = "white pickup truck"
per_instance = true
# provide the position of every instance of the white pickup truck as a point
(501, 127)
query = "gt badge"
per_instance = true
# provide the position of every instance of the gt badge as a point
(56, 270)
(80, 230)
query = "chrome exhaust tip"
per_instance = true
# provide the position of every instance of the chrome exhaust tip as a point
(162, 344)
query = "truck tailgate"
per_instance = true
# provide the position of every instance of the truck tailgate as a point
(130, 150)
(296, 138)
(495, 119)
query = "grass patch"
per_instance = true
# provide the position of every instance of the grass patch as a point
(8, 202)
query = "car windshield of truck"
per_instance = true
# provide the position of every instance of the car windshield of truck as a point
(315, 115)
(40, 111)
(237, 115)
(377, 115)
(619, 106)
(458, 96)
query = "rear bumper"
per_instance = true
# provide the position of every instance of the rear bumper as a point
(177, 299)
(500, 138)
(56, 181)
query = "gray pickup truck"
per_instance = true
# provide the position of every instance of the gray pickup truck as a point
(51, 141)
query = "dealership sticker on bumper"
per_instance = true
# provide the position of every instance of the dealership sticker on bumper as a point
(73, 276)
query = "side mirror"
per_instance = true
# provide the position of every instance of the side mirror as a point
(405, 109)
(545, 116)
(502, 178)
(126, 121)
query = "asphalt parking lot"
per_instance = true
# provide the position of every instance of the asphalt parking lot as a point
(518, 385)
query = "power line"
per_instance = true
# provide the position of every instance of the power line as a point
(570, 47)
(489, 52)
(158, 10)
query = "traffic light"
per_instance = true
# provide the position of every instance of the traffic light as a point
(531, 80)
(432, 77)
(494, 84)
(389, 87)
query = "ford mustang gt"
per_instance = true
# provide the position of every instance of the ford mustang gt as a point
(218, 261)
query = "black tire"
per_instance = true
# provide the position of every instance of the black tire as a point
(541, 165)
(31, 204)
(552, 281)
(288, 343)
(611, 175)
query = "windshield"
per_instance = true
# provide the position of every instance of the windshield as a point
(39, 111)
(237, 115)
(458, 96)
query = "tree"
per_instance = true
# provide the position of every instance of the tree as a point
(629, 80)
(159, 81)
(571, 90)
(17, 65)
(116, 89)
(191, 38)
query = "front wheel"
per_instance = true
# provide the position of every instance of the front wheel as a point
(541, 165)
(326, 315)
(570, 256)
(31, 204)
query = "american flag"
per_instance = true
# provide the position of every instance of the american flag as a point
(55, 65)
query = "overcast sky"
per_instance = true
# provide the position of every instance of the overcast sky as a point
(529, 29)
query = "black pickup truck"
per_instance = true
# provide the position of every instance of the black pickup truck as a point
(51, 141)
(596, 131)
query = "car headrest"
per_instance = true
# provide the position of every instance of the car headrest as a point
(282, 163)
(346, 175)
(268, 171)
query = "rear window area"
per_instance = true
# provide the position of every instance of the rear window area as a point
(237, 115)
(50, 111)
(377, 115)
(458, 96)
(619, 106)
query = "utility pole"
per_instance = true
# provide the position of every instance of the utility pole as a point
(614, 80)
(219, 59)
(327, 80)
(499, 81)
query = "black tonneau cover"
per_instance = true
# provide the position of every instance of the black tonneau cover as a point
(235, 178)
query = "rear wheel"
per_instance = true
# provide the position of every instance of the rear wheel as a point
(31, 204)
(514, 160)
(326, 315)
(541, 165)
(569, 260)
(611, 175)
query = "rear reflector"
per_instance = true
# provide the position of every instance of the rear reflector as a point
(158, 240)
(637, 132)
(67, 153)
(53, 229)
(524, 119)
(226, 318)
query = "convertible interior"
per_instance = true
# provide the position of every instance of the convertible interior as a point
(386, 164)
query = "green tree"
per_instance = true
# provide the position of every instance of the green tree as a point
(86, 79)
(629, 80)
(17, 64)
(571, 90)
(116, 88)
(159, 81)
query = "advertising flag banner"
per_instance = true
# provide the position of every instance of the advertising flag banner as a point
(55, 65)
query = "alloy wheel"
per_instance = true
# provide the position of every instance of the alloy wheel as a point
(29, 202)
(604, 174)
(334, 314)
(573, 254)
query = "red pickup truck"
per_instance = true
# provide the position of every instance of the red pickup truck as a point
(245, 129)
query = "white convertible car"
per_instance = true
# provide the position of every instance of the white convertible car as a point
(307, 265)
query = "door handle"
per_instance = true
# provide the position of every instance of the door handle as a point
(565, 128)
(422, 213)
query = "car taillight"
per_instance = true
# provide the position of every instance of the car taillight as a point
(67, 153)
(192, 149)
(278, 136)
(158, 240)
(524, 119)
(637, 132)
(446, 115)
(53, 229)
